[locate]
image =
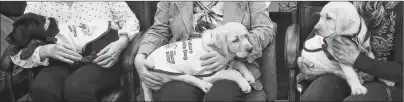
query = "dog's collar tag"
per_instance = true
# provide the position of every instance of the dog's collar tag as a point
(46, 25)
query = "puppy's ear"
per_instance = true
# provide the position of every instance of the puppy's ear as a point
(220, 42)
(345, 19)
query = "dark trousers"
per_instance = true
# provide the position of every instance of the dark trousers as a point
(333, 88)
(222, 90)
(58, 82)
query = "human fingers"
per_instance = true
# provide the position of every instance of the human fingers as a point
(209, 61)
(214, 67)
(70, 52)
(110, 63)
(68, 56)
(149, 84)
(69, 47)
(104, 62)
(63, 59)
(103, 51)
(347, 41)
(208, 55)
(302, 66)
(152, 78)
(307, 62)
(102, 57)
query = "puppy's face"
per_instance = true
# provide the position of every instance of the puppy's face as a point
(337, 18)
(25, 28)
(238, 43)
(232, 38)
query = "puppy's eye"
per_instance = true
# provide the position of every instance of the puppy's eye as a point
(18, 27)
(236, 40)
(328, 17)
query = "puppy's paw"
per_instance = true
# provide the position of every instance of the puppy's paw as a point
(207, 87)
(358, 90)
(249, 77)
(245, 86)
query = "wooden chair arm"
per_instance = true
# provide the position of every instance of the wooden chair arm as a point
(292, 51)
(129, 54)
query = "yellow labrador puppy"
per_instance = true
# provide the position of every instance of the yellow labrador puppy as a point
(338, 18)
(180, 61)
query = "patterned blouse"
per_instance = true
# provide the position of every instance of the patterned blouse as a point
(119, 13)
(207, 15)
(382, 39)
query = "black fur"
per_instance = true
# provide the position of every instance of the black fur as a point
(29, 33)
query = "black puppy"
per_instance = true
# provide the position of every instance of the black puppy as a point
(30, 31)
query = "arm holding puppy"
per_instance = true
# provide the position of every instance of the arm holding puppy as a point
(156, 36)
(347, 52)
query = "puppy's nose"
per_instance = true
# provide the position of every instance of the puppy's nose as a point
(249, 50)
(8, 39)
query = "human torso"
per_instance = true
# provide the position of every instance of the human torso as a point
(79, 22)
(181, 18)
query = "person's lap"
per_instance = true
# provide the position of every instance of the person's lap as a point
(82, 84)
(222, 90)
(326, 88)
(333, 88)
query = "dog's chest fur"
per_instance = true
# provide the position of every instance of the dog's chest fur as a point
(179, 57)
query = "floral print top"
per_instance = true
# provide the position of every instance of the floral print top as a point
(207, 15)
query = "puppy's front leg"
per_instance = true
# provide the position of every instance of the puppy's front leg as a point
(242, 68)
(353, 80)
(204, 85)
(232, 75)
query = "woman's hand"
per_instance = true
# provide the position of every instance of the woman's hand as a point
(142, 67)
(345, 51)
(306, 67)
(61, 52)
(214, 61)
(109, 55)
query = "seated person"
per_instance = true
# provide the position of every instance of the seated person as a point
(179, 21)
(58, 81)
(385, 25)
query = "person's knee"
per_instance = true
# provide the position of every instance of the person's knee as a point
(225, 90)
(40, 89)
(376, 92)
(179, 91)
(78, 91)
(320, 89)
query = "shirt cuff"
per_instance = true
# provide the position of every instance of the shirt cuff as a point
(31, 62)
(129, 32)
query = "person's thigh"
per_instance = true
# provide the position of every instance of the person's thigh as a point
(48, 84)
(178, 91)
(326, 88)
(85, 82)
(225, 90)
(376, 92)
